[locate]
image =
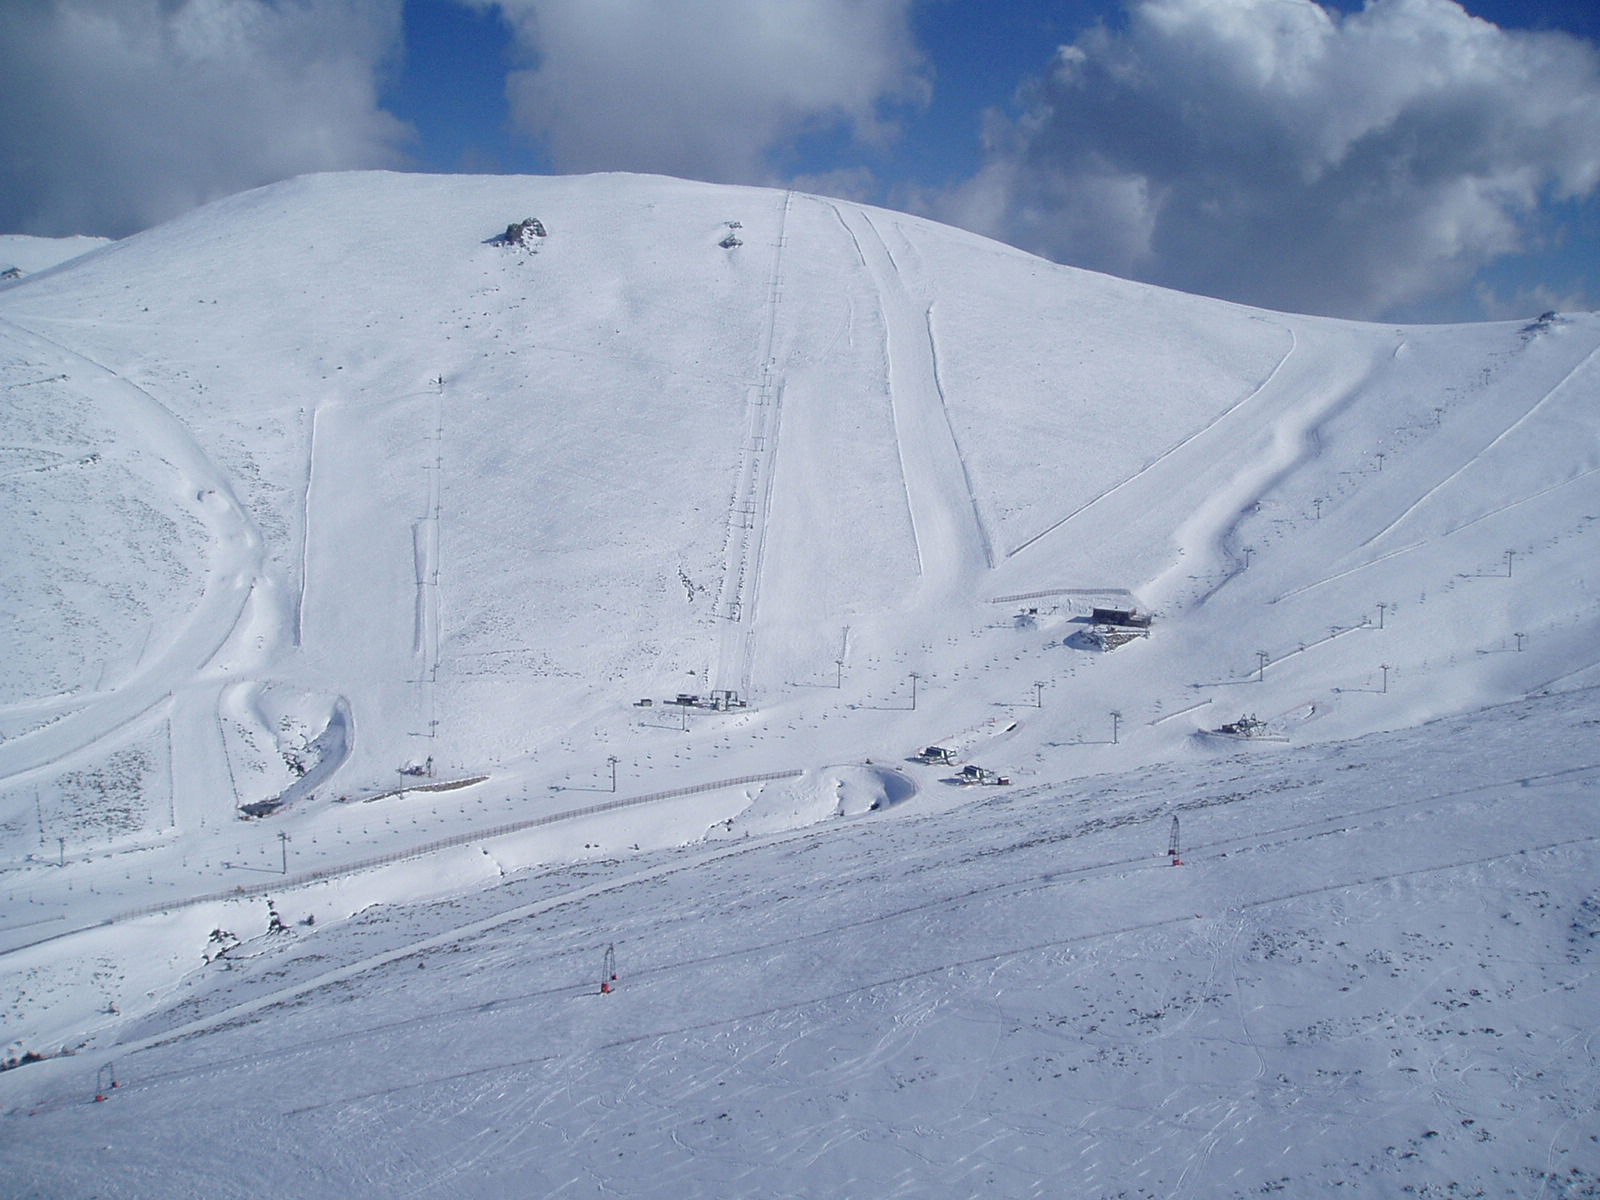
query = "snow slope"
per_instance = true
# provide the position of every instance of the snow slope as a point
(320, 482)
(1373, 973)
(28, 255)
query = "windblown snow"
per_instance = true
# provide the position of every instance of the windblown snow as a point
(358, 557)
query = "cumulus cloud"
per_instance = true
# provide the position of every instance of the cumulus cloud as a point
(709, 89)
(1273, 152)
(116, 114)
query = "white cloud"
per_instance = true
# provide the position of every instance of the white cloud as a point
(116, 114)
(1271, 152)
(1521, 302)
(707, 89)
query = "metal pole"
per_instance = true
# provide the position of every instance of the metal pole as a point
(1116, 718)
(612, 759)
(914, 678)
(283, 844)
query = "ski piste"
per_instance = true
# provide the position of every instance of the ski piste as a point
(298, 510)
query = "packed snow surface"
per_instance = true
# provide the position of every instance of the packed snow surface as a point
(356, 558)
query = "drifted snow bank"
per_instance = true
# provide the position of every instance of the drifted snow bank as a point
(283, 742)
(847, 790)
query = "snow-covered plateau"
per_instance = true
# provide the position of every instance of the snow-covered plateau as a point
(362, 537)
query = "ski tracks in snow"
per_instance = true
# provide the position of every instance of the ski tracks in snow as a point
(1043, 872)
(953, 547)
(1416, 505)
(1211, 425)
(1477, 459)
(1328, 384)
(235, 561)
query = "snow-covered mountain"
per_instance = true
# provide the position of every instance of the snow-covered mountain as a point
(356, 551)
(21, 255)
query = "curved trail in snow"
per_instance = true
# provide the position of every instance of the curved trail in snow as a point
(952, 545)
(1165, 454)
(1448, 533)
(944, 407)
(1325, 389)
(235, 562)
(1475, 459)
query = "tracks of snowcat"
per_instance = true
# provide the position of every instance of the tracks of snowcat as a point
(952, 544)
(1162, 457)
(1474, 459)
(1327, 390)
(1284, 837)
(1416, 505)
(235, 562)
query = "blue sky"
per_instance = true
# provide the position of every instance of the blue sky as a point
(452, 86)
(1395, 160)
